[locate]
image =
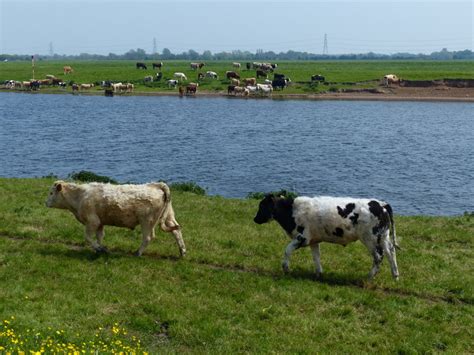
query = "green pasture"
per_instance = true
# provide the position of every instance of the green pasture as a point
(362, 74)
(228, 295)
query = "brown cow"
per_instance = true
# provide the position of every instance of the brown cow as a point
(67, 69)
(232, 74)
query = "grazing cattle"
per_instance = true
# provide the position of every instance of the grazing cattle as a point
(278, 76)
(236, 65)
(261, 74)
(248, 65)
(26, 84)
(280, 83)
(212, 75)
(181, 91)
(390, 79)
(157, 65)
(75, 87)
(195, 66)
(96, 205)
(232, 74)
(200, 76)
(310, 221)
(35, 85)
(250, 81)
(241, 90)
(67, 69)
(62, 84)
(318, 77)
(230, 89)
(265, 89)
(252, 89)
(159, 76)
(191, 88)
(148, 79)
(180, 76)
(55, 81)
(274, 66)
(141, 65)
(235, 82)
(45, 81)
(86, 86)
(117, 87)
(172, 83)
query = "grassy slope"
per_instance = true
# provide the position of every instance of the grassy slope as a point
(229, 294)
(299, 71)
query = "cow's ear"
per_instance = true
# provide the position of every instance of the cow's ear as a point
(59, 187)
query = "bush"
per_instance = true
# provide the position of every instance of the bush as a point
(87, 176)
(188, 187)
(261, 195)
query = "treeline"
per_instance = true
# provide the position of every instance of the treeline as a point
(140, 54)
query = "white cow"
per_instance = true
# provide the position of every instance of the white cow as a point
(211, 74)
(180, 76)
(236, 65)
(310, 221)
(172, 83)
(96, 205)
(390, 79)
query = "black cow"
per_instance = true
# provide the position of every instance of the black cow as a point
(279, 83)
(261, 74)
(248, 65)
(317, 77)
(159, 76)
(141, 65)
(157, 65)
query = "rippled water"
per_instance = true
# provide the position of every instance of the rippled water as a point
(416, 155)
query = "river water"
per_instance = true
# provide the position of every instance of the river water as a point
(418, 156)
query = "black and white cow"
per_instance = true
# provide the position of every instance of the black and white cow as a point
(312, 220)
(140, 65)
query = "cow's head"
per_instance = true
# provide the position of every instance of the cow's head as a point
(56, 195)
(265, 209)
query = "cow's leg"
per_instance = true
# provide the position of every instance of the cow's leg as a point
(296, 243)
(317, 259)
(392, 257)
(179, 240)
(377, 255)
(92, 228)
(148, 233)
(100, 235)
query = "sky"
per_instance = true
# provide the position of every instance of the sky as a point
(107, 26)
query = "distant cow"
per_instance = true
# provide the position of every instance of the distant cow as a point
(67, 69)
(248, 65)
(310, 221)
(157, 65)
(232, 74)
(195, 66)
(261, 74)
(172, 83)
(180, 76)
(230, 89)
(148, 79)
(191, 88)
(390, 79)
(212, 74)
(86, 86)
(250, 81)
(75, 87)
(158, 76)
(236, 65)
(318, 77)
(96, 205)
(140, 65)
(235, 82)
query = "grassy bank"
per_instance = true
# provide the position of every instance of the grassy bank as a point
(228, 295)
(340, 74)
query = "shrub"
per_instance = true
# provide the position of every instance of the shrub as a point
(188, 187)
(87, 176)
(261, 195)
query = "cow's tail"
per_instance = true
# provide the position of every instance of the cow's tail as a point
(393, 233)
(167, 224)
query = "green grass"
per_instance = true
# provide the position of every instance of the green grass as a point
(338, 73)
(229, 294)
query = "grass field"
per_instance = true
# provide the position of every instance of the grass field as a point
(337, 73)
(229, 294)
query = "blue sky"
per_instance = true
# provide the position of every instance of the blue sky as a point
(106, 26)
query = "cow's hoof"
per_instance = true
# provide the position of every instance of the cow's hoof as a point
(102, 250)
(285, 267)
(182, 253)
(318, 276)
(137, 253)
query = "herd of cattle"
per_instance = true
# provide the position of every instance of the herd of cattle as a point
(307, 221)
(236, 84)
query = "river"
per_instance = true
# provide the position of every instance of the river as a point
(418, 156)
